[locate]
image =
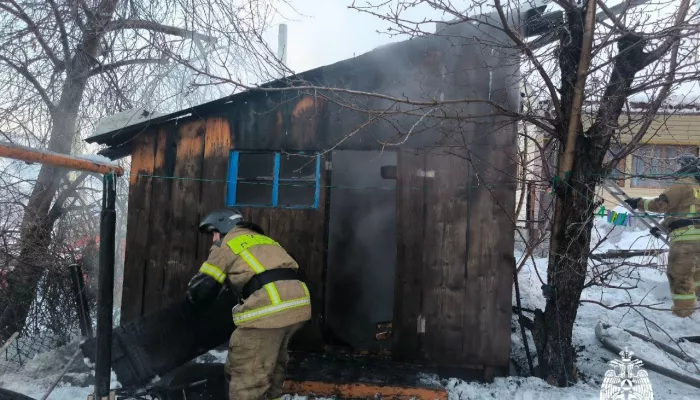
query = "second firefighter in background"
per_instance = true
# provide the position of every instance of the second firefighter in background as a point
(274, 305)
(680, 203)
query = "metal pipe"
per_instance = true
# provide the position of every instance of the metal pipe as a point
(28, 154)
(282, 44)
(105, 294)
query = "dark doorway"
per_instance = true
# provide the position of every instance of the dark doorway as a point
(361, 248)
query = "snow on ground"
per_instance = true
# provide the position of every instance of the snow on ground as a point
(648, 286)
(38, 374)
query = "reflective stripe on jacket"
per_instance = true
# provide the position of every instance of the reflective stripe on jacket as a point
(243, 253)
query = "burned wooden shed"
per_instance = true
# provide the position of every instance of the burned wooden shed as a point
(400, 214)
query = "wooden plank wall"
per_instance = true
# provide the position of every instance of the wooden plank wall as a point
(491, 239)
(162, 238)
(446, 302)
(189, 165)
(159, 220)
(408, 293)
(217, 145)
(452, 297)
(142, 163)
(185, 189)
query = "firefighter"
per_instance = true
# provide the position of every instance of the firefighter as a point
(274, 303)
(680, 203)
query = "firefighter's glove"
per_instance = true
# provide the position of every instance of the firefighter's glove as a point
(655, 232)
(633, 202)
(202, 289)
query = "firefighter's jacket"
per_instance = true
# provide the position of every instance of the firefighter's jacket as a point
(240, 255)
(679, 202)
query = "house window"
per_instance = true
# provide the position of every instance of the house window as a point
(617, 173)
(273, 179)
(653, 166)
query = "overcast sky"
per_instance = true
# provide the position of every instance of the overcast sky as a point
(323, 32)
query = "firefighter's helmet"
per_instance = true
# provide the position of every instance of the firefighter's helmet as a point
(221, 221)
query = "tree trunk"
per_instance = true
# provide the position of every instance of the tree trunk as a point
(36, 228)
(574, 209)
(566, 274)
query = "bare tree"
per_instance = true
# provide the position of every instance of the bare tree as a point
(66, 63)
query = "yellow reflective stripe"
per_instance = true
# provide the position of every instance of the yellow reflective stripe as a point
(306, 289)
(690, 296)
(646, 204)
(685, 234)
(252, 261)
(273, 293)
(213, 271)
(255, 265)
(692, 211)
(243, 242)
(240, 245)
(271, 309)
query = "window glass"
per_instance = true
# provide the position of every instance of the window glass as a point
(273, 179)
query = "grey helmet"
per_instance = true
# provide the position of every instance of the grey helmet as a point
(221, 221)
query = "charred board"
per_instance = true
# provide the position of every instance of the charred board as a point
(10, 395)
(158, 343)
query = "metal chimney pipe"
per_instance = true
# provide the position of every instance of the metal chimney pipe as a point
(282, 44)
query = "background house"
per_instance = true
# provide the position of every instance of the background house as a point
(673, 132)
(646, 172)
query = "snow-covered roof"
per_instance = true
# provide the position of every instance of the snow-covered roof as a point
(124, 119)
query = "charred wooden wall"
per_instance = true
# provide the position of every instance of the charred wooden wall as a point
(455, 194)
(178, 176)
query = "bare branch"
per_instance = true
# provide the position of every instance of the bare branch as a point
(155, 27)
(62, 30)
(532, 57)
(672, 38)
(656, 104)
(124, 63)
(22, 70)
(618, 24)
(19, 13)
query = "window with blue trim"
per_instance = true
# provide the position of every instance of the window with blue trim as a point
(273, 179)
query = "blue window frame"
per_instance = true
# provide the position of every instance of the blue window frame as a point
(273, 179)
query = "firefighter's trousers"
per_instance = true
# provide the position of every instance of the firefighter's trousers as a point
(256, 364)
(684, 276)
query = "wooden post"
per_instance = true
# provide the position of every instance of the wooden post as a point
(81, 301)
(105, 292)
